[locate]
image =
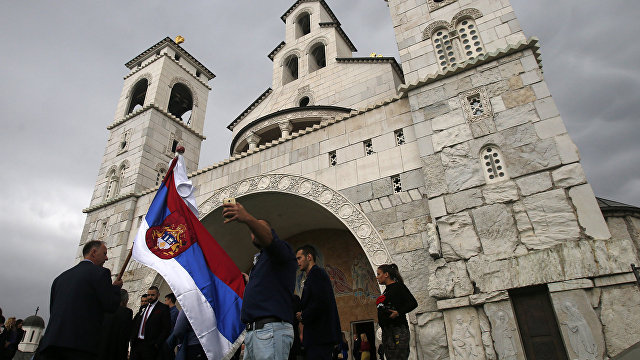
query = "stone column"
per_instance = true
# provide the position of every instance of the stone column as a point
(285, 128)
(253, 141)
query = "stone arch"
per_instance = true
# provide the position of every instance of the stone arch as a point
(298, 31)
(346, 212)
(186, 83)
(315, 42)
(306, 93)
(295, 52)
(465, 14)
(142, 76)
(431, 28)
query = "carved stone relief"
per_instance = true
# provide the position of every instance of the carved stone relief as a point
(506, 338)
(435, 5)
(579, 325)
(464, 334)
(333, 201)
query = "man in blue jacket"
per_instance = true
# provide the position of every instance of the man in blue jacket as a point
(80, 297)
(319, 315)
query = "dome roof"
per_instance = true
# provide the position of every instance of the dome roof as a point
(34, 321)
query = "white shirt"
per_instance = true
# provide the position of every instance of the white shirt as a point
(146, 314)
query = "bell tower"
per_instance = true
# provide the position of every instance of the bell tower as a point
(162, 106)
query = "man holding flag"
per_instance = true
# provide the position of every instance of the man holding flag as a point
(267, 309)
(209, 286)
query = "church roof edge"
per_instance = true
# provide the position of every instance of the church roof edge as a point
(246, 111)
(131, 63)
(341, 32)
(297, 3)
(389, 60)
(273, 52)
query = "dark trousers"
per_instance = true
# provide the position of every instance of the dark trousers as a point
(143, 350)
(395, 340)
(60, 353)
(319, 352)
(195, 352)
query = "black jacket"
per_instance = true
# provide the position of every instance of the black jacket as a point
(319, 311)
(80, 297)
(158, 326)
(114, 341)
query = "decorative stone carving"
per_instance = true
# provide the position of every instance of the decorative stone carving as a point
(333, 201)
(458, 238)
(464, 14)
(620, 316)
(487, 342)
(464, 335)
(504, 331)
(476, 104)
(431, 28)
(449, 280)
(496, 229)
(434, 5)
(432, 338)
(579, 325)
(552, 219)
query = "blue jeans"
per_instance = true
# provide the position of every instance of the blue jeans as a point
(272, 342)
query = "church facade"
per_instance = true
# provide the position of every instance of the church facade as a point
(453, 163)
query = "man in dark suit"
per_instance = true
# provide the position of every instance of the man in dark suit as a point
(319, 315)
(151, 328)
(80, 297)
(116, 330)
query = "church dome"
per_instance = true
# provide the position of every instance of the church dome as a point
(34, 321)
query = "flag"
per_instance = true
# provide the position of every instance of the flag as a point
(209, 286)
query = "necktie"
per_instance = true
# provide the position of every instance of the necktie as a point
(144, 320)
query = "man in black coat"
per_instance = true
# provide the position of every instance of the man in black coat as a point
(116, 330)
(151, 328)
(80, 297)
(319, 315)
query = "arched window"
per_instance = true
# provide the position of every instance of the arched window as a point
(317, 59)
(303, 24)
(113, 184)
(493, 166)
(304, 101)
(290, 70)
(470, 40)
(181, 102)
(443, 46)
(160, 175)
(138, 95)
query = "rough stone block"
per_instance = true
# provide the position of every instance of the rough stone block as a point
(437, 207)
(412, 179)
(382, 217)
(461, 168)
(614, 279)
(484, 298)
(531, 158)
(518, 97)
(433, 172)
(482, 127)
(534, 184)
(569, 175)
(567, 150)
(432, 337)
(412, 209)
(463, 200)
(552, 219)
(546, 108)
(451, 136)
(448, 280)
(416, 225)
(496, 230)
(453, 303)
(589, 213)
(458, 237)
(447, 120)
(620, 315)
(550, 127)
(381, 187)
(501, 192)
(570, 285)
(515, 116)
(404, 244)
(359, 193)
(390, 231)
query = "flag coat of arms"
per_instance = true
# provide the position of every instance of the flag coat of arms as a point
(209, 286)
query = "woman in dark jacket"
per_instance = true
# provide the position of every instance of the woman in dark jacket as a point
(393, 305)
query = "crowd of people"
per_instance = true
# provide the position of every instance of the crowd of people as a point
(90, 319)
(11, 335)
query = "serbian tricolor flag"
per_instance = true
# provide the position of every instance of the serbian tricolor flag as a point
(209, 286)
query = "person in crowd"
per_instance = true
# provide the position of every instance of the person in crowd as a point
(170, 301)
(151, 329)
(13, 337)
(183, 334)
(365, 347)
(79, 299)
(341, 351)
(267, 301)
(395, 302)
(143, 303)
(319, 315)
(356, 347)
(116, 330)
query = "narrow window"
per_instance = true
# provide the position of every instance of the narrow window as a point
(174, 146)
(103, 232)
(470, 39)
(31, 337)
(368, 147)
(396, 183)
(138, 95)
(444, 49)
(303, 25)
(493, 165)
(198, 73)
(399, 135)
(177, 57)
(112, 185)
(290, 71)
(333, 159)
(317, 58)
(476, 105)
(304, 101)
(160, 176)
(180, 102)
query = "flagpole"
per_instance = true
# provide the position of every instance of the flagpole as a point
(179, 150)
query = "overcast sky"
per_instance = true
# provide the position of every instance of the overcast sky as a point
(61, 76)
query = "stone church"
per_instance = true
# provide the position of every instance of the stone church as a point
(452, 162)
